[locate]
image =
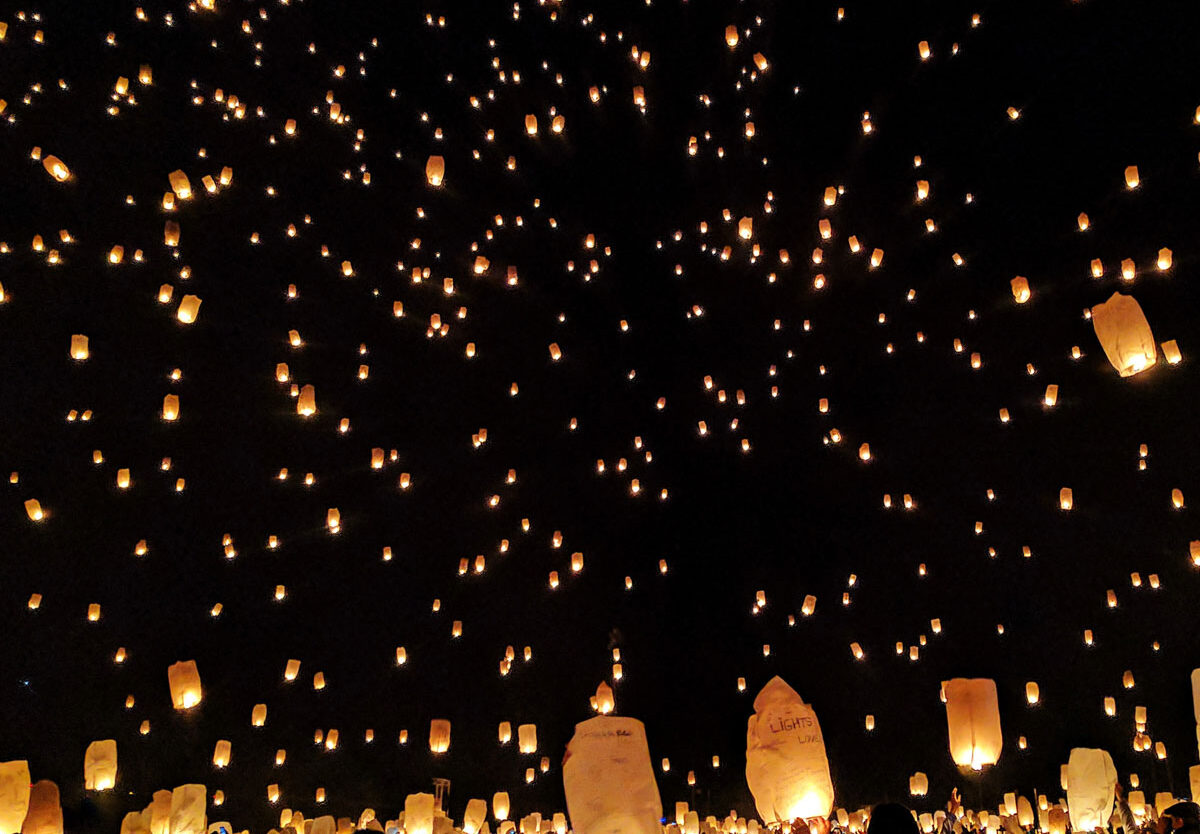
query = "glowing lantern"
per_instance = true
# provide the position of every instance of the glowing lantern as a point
(184, 681)
(973, 721)
(419, 813)
(555, 352)
(922, 190)
(1177, 498)
(439, 735)
(33, 509)
(180, 185)
(1090, 778)
(1051, 396)
(869, 723)
(1171, 352)
(608, 779)
(604, 699)
(333, 520)
(475, 816)
(1124, 333)
(306, 404)
(79, 348)
(531, 125)
(45, 810)
(786, 766)
(504, 732)
(258, 715)
(170, 407)
(14, 794)
(864, 451)
(1164, 259)
(918, 784)
(1132, 179)
(1032, 693)
(1065, 498)
(1020, 289)
(731, 36)
(100, 765)
(56, 168)
(923, 50)
(189, 308)
(187, 810)
(527, 738)
(809, 605)
(500, 806)
(746, 228)
(222, 753)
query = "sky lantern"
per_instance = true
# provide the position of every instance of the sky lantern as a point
(1123, 332)
(189, 308)
(1066, 499)
(184, 681)
(527, 738)
(79, 348)
(439, 735)
(435, 170)
(33, 509)
(1020, 289)
(1132, 178)
(605, 702)
(474, 816)
(786, 765)
(100, 765)
(731, 36)
(188, 803)
(1032, 693)
(306, 403)
(608, 778)
(531, 124)
(1090, 777)
(918, 784)
(180, 185)
(170, 407)
(923, 50)
(419, 813)
(56, 168)
(746, 228)
(500, 806)
(45, 814)
(973, 720)
(14, 794)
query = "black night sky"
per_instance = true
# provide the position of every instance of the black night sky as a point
(773, 497)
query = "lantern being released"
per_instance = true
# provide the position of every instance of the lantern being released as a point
(1125, 335)
(608, 779)
(100, 765)
(1090, 778)
(973, 721)
(786, 766)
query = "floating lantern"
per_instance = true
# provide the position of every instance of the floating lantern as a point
(527, 738)
(731, 36)
(1124, 333)
(180, 185)
(184, 681)
(170, 407)
(608, 778)
(1065, 498)
(1132, 179)
(79, 348)
(1020, 289)
(973, 719)
(100, 765)
(918, 784)
(439, 735)
(189, 308)
(1032, 693)
(56, 168)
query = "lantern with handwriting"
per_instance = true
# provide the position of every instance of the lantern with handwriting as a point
(608, 779)
(786, 766)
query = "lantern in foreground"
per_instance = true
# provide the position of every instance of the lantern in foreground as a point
(786, 766)
(500, 806)
(474, 816)
(1125, 335)
(14, 794)
(608, 779)
(187, 810)
(184, 680)
(439, 735)
(435, 170)
(45, 810)
(418, 813)
(1090, 778)
(973, 721)
(100, 765)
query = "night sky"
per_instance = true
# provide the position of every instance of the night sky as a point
(1017, 123)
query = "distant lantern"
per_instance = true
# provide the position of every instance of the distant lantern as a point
(439, 735)
(876, 258)
(1032, 693)
(1051, 396)
(922, 190)
(760, 61)
(184, 681)
(180, 185)
(1177, 498)
(869, 723)
(809, 605)
(504, 732)
(973, 720)
(56, 168)
(1020, 289)
(918, 784)
(170, 407)
(1083, 221)
(306, 404)
(1165, 257)
(527, 738)
(100, 765)
(605, 702)
(639, 97)
(189, 308)
(222, 754)
(746, 228)
(333, 519)
(531, 124)
(1132, 179)
(79, 347)
(1171, 352)
(33, 509)
(1066, 498)
(1124, 333)
(555, 352)
(731, 36)
(864, 451)
(258, 715)
(435, 170)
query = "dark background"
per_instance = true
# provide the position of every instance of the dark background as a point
(1101, 85)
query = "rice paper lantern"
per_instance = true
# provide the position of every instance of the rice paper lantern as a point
(187, 810)
(1091, 779)
(435, 170)
(1125, 335)
(439, 735)
(608, 779)
(184, 680)
(100, 765)
(500, 806)
(973, 721)
(527, 738)
(45, 810)
(1196, 693)
(786, 766)
(14, 794)
(418, 813)
(475, 816)
(1194, 778)
(918, 784)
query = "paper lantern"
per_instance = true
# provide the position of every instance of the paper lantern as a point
(1051, 396)
(1132, 179)
(45, 814)
(1124, 333)
(170, 407)
(1065, 498)
(746, 228)
(306, 403)
(918, 784)
(973, 721)
(1020, 289)
(419, 813)
(786, 766)
(1164, 259)
(187, 810)
(222, 753)
(608, 779)
(527, 738)
(79, 348)
(435, 170)
(1171, 352)
(731, 36)
(180, 185)
(555, 352)
(56, 168)
(922, 190)
(605, 703)
(33, 509)
(474, 817)
(504, 731)
(184, 680)
(189, 308)
(531, 124)
(1194, 779)
(171, 233)
(100, 765)
(439, 735)
(258, 715)
(500, 806)
(14, 794)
